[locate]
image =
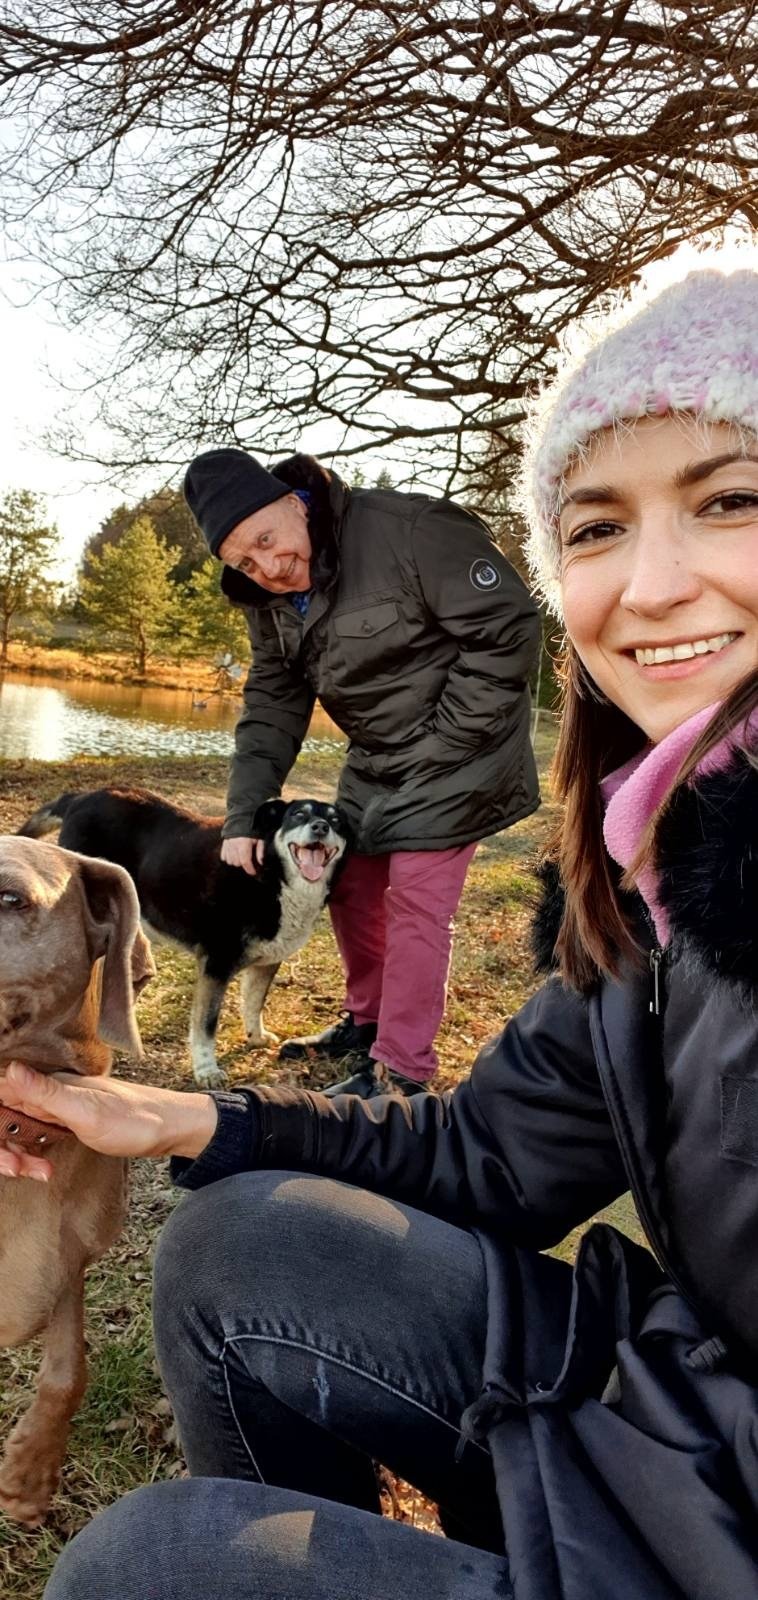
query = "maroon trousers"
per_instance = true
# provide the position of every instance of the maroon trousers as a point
(393, 922)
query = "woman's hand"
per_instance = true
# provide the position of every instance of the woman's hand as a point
(107, 1114)
(244, 853)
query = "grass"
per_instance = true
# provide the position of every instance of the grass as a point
(122, 1436)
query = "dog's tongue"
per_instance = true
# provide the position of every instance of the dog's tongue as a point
(311, 862)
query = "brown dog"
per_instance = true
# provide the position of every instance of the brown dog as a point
(71, 958)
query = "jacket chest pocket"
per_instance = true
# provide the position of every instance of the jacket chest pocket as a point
(371, 634)
(739, 1119)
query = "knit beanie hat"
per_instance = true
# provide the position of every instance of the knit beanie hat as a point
(221, 487)
(694, 348)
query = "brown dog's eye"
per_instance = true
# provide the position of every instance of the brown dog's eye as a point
(10, 899)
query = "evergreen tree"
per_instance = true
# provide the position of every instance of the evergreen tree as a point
(173, 522)
(27, 545)
(206, 624)
(128, 590)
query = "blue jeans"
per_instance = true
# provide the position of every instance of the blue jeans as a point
(306, 1329)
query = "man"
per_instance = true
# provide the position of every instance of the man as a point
(401, 615)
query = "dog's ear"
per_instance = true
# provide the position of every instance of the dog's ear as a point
(268, 818)
(113, 926)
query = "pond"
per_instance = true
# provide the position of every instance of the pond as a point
(56, 719)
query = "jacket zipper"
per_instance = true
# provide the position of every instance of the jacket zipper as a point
(640, 1198)
(656, 957)
(637, 1188)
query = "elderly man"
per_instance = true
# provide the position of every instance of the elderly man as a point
(401, 615)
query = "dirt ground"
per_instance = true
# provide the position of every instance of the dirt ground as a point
(123, 1435)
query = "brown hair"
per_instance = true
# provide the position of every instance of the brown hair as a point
(595, 738)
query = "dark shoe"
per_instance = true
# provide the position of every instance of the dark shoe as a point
(370, 1083)
(343, 1039)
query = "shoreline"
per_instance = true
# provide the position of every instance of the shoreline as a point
(112, 666)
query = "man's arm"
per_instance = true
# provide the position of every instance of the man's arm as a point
(278, 701)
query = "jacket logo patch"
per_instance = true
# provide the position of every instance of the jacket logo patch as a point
(739, 1119)
(484, 575)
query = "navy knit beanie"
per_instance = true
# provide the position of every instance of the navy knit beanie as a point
(221, 487)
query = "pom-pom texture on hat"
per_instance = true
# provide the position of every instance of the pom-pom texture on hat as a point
(694, 348)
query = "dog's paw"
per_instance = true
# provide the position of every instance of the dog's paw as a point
(261, 1039)
(27, 1485)
(210, 1076)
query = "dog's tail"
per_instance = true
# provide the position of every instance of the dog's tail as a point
(48, 819)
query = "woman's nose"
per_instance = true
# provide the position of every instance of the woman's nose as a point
(661, 574)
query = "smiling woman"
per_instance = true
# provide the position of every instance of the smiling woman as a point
(641, 489)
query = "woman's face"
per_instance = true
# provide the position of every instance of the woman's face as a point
(272, 546)
(659, 566)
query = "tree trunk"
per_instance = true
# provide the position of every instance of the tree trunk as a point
(5, 629)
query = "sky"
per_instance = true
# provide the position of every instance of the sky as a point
(31, 342)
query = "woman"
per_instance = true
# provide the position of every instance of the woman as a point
(590, 1431)
(418, 638)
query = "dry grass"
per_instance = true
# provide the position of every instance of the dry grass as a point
(122, 1436)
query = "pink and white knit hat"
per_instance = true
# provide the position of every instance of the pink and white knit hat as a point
(694, 348)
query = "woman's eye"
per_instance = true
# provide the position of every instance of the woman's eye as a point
(10, 899)
(733, 500)
(592, 533)
(263, 541)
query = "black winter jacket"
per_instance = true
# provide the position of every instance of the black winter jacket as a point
(620, 1400)
(418, 641)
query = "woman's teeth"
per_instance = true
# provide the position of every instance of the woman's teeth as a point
(683, 652)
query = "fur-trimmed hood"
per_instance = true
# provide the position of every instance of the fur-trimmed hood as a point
(708, 877)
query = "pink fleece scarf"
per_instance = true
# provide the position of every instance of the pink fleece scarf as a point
(634, 792)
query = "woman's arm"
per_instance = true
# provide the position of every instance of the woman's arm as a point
(108, 1115)
(525, 1145)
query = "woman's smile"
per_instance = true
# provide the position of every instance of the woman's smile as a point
(681, 658)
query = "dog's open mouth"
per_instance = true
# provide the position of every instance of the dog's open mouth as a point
(312, 860)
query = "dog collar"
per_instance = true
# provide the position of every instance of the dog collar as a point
(28, 1132)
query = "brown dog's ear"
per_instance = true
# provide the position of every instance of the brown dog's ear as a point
(115, 933)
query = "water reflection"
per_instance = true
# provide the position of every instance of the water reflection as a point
(47, 719)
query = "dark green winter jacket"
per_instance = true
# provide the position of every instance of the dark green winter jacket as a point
(418, 642)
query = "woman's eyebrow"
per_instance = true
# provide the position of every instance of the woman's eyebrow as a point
(595, 494)
(703, 469)
(604, 493)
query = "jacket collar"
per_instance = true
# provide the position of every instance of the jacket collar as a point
(707, 877)
(708, 871)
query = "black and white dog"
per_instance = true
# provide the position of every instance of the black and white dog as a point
(231, 922)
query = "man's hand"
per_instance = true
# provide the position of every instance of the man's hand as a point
(107, 1114)
(244, 853)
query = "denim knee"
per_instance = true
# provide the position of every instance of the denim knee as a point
(109, 1545)
(202, 1247)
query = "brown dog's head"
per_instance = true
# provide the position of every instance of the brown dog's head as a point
(60, 913)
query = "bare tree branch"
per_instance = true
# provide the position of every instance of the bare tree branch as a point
(376, 219)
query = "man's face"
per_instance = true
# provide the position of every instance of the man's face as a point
(272, 546)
